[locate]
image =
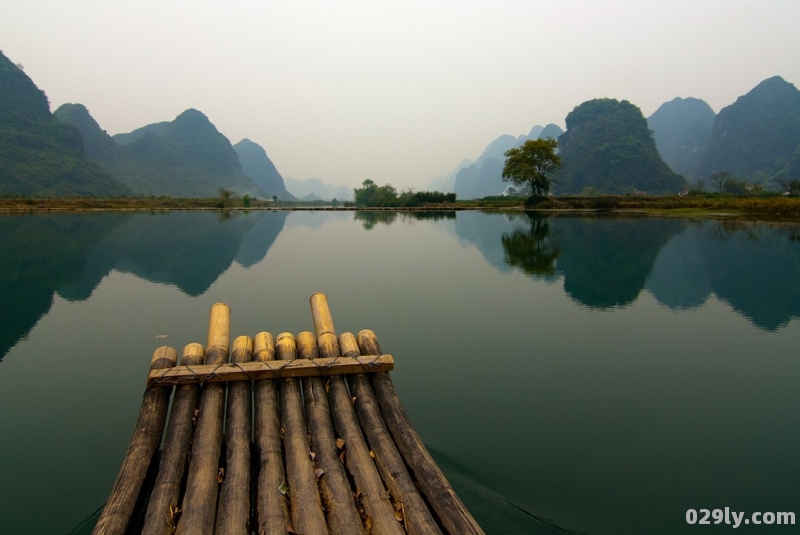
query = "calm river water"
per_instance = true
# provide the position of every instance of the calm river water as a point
(570, 375)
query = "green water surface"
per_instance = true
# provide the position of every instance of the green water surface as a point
(570, 375)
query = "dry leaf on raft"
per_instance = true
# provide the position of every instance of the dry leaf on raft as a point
(220, 475)
(283, 488)
(318, 472)
(174, 512)
(340, 443)
(313, 456)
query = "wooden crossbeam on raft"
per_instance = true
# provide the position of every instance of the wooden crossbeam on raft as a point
(254, 371)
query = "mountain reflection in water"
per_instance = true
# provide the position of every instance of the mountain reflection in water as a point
(605, 262)
(69, 254)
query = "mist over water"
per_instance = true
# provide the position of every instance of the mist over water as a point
(586, 375)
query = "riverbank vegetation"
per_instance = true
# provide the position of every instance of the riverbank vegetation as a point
(765, 206)
(371, 194)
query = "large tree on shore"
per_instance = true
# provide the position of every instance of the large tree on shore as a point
(531, 164)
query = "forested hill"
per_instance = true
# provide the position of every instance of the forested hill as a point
(40, 155)
(257, 165)
(681, 128)
(758, 136)
(608, 146)
(187, 157)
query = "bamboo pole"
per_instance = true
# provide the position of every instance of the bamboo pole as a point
(233, 517)
(271, 509)
(409, 505)
(334, 487)
(455, 518)
(145, 440)
(163, 511)
(202, 487)
(379, 511)
(305, 505)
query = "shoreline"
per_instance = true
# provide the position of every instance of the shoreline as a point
(775, 209)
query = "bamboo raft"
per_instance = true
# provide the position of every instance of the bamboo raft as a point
(301, 435)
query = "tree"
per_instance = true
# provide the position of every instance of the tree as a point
(531, 163)
(788, 187)
(734, 186)
(225, 197)
(718, 179)
(370, 194)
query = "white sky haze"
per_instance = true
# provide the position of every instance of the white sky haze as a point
(397, 91)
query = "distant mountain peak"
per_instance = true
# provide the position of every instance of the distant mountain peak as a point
(681, 128)
(257, 165)
(303, 188)
(484, 176)
(186, 157)
(535, 132)
(772, 82)
(758, 134)
(191, 116)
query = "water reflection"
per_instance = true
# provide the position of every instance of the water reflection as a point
(370, 218)
(606, 262)
(42, 253)
(70, 254)
(532, 250)
(752, 267)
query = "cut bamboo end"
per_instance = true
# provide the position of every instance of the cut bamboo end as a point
(219, 326)
(307, 345)
(368, 343)
(321, 314)
(264, 347)
(285, 348)
(242, 349)
(163, 357)
(323, 326)
(348, 346)
(193, 354)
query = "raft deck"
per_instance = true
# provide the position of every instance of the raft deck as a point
(296, 434)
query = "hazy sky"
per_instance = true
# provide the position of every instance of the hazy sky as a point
(396, 91)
